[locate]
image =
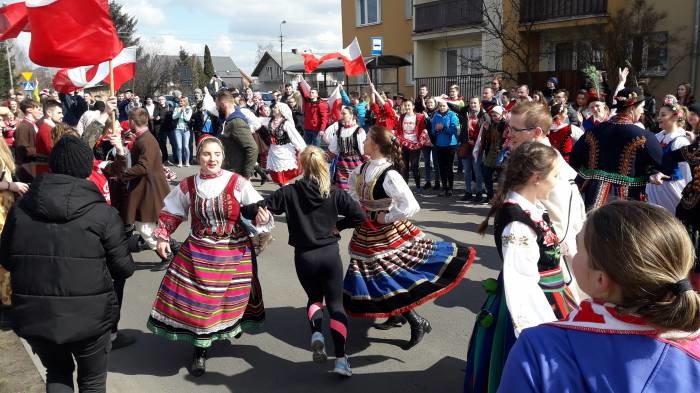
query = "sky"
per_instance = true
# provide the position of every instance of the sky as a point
(233, 27)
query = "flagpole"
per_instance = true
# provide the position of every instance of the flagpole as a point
(112, 94)
(9, 64)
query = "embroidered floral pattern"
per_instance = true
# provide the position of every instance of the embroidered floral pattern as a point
(515, 240)
(629, 153)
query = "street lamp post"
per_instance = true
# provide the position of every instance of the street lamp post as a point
(282, 51)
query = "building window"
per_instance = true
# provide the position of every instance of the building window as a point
(570, 56)
(368, 12)
(409, 71)
(654, 54)
(462, 61)
(269, 72)
(409, 9)
(564, 56)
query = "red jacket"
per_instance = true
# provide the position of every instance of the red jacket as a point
(562, 140)
(44, 144)
(385, 117)
(420, 131)
(315, 113)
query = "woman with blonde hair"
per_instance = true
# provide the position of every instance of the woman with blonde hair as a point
(639, 332)
(8, 191)
(313, 208)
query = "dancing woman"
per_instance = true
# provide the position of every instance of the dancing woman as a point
(312, 208)
(205, 293)
(531, 288)
(286, 143)
(345, 139)
(394, 268)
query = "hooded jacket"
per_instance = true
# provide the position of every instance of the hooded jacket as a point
(311, 217)
(64, 245)
(241, 151)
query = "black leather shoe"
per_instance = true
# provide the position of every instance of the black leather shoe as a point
(467, 196)
(427, 186)
(392, 322)
(199, 362)
(122, 341)
(419, 328)
(479, 199)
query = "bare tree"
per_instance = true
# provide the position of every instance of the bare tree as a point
(153, 72)
(262, 48)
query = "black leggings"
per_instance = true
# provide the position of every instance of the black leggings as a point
(320, 272)
(446, 158)
(411, 161)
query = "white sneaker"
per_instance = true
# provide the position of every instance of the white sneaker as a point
(342, 367)
(318, 346)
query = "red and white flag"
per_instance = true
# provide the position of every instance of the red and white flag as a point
(335, 105)
(13, 20)
(351, 56)
(124, 65)
(71, 33)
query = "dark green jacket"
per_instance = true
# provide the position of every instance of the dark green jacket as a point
(240, 149)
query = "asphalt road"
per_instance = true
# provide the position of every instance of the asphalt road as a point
(279, 360)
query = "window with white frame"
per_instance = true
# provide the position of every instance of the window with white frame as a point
(462, 61)
(368, 12)
(409, 9)
(654, 54)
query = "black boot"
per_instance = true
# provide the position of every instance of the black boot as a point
(263, 175)
(199, 362)
(395, 321)
(437, 185)
(419, 327)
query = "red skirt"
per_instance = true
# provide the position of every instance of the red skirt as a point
(284, 177)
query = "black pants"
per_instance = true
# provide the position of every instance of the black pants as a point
(162, 138)
(90, 355)
(411, 160)
(446, 158)
(119, 290)
(320, 272)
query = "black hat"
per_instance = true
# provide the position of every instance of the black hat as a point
(628, 97)
(71, 156)
(695, 108)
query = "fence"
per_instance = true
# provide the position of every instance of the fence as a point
(469, 85)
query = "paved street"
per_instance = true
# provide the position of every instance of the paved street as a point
(279, 360)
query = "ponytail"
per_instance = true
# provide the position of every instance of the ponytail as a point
(315, 168)
(396, 155)
(388, 145)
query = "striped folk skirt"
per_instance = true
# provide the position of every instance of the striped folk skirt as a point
(395, 268)
(493, 335)
(210, 292)
(344, 165)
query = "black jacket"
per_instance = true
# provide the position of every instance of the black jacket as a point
(63, 245)
(310, 217)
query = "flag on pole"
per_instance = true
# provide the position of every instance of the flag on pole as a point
(335, 105)
(351, 57)
(69, 33)
(124, 65)
(13, 20)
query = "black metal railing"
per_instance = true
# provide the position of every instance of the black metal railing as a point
(447, 13)
(469, 85)
(543, 10)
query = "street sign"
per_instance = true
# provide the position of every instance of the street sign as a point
(27, 75)
(377, 46)
(28, 86)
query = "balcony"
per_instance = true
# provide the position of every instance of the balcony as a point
(443, 14)
(533, 11)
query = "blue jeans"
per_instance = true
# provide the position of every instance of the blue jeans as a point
(429, 152)
(488, 172)
(470, 166)
(312, 138)
(182, 150)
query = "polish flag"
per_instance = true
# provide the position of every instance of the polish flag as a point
(13, 20)
(335, 105)
(70, 33)
(351, 56)
(124, 65)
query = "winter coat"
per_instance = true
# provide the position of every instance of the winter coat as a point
(147, 184)
(448, 135)
(240, 149)
(64, 245)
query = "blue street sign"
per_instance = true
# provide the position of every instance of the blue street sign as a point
(28, 86)
(377, 46)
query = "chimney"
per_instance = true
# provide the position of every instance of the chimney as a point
(294, 50)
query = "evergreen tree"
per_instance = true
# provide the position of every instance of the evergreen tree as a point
(199, 77)
(5, 82)
(124, 23)
(208, 64)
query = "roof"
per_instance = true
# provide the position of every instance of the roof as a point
(224, 66)
(372, 62)
(290, 59)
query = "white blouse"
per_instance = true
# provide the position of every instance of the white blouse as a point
(330, 136)
(178, 203)
(284, 157)
(526, 301)
(403, 203)
(668, 194)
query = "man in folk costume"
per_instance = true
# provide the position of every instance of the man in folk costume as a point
(615, 159)
(147, 185)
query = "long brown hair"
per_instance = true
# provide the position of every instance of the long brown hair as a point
(528, 159)
(61, 130)
(315, 167)
(388, 145)
(6, 159)
(646, 251)
(680, 111)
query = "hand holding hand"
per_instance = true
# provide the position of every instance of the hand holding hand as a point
(263, 217)
(19, 188)
(658, 178)
(335, 231)
(163, 248)
(381, 218)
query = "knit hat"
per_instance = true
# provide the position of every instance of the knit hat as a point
(72, 157)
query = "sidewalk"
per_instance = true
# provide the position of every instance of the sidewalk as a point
(17, 371)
